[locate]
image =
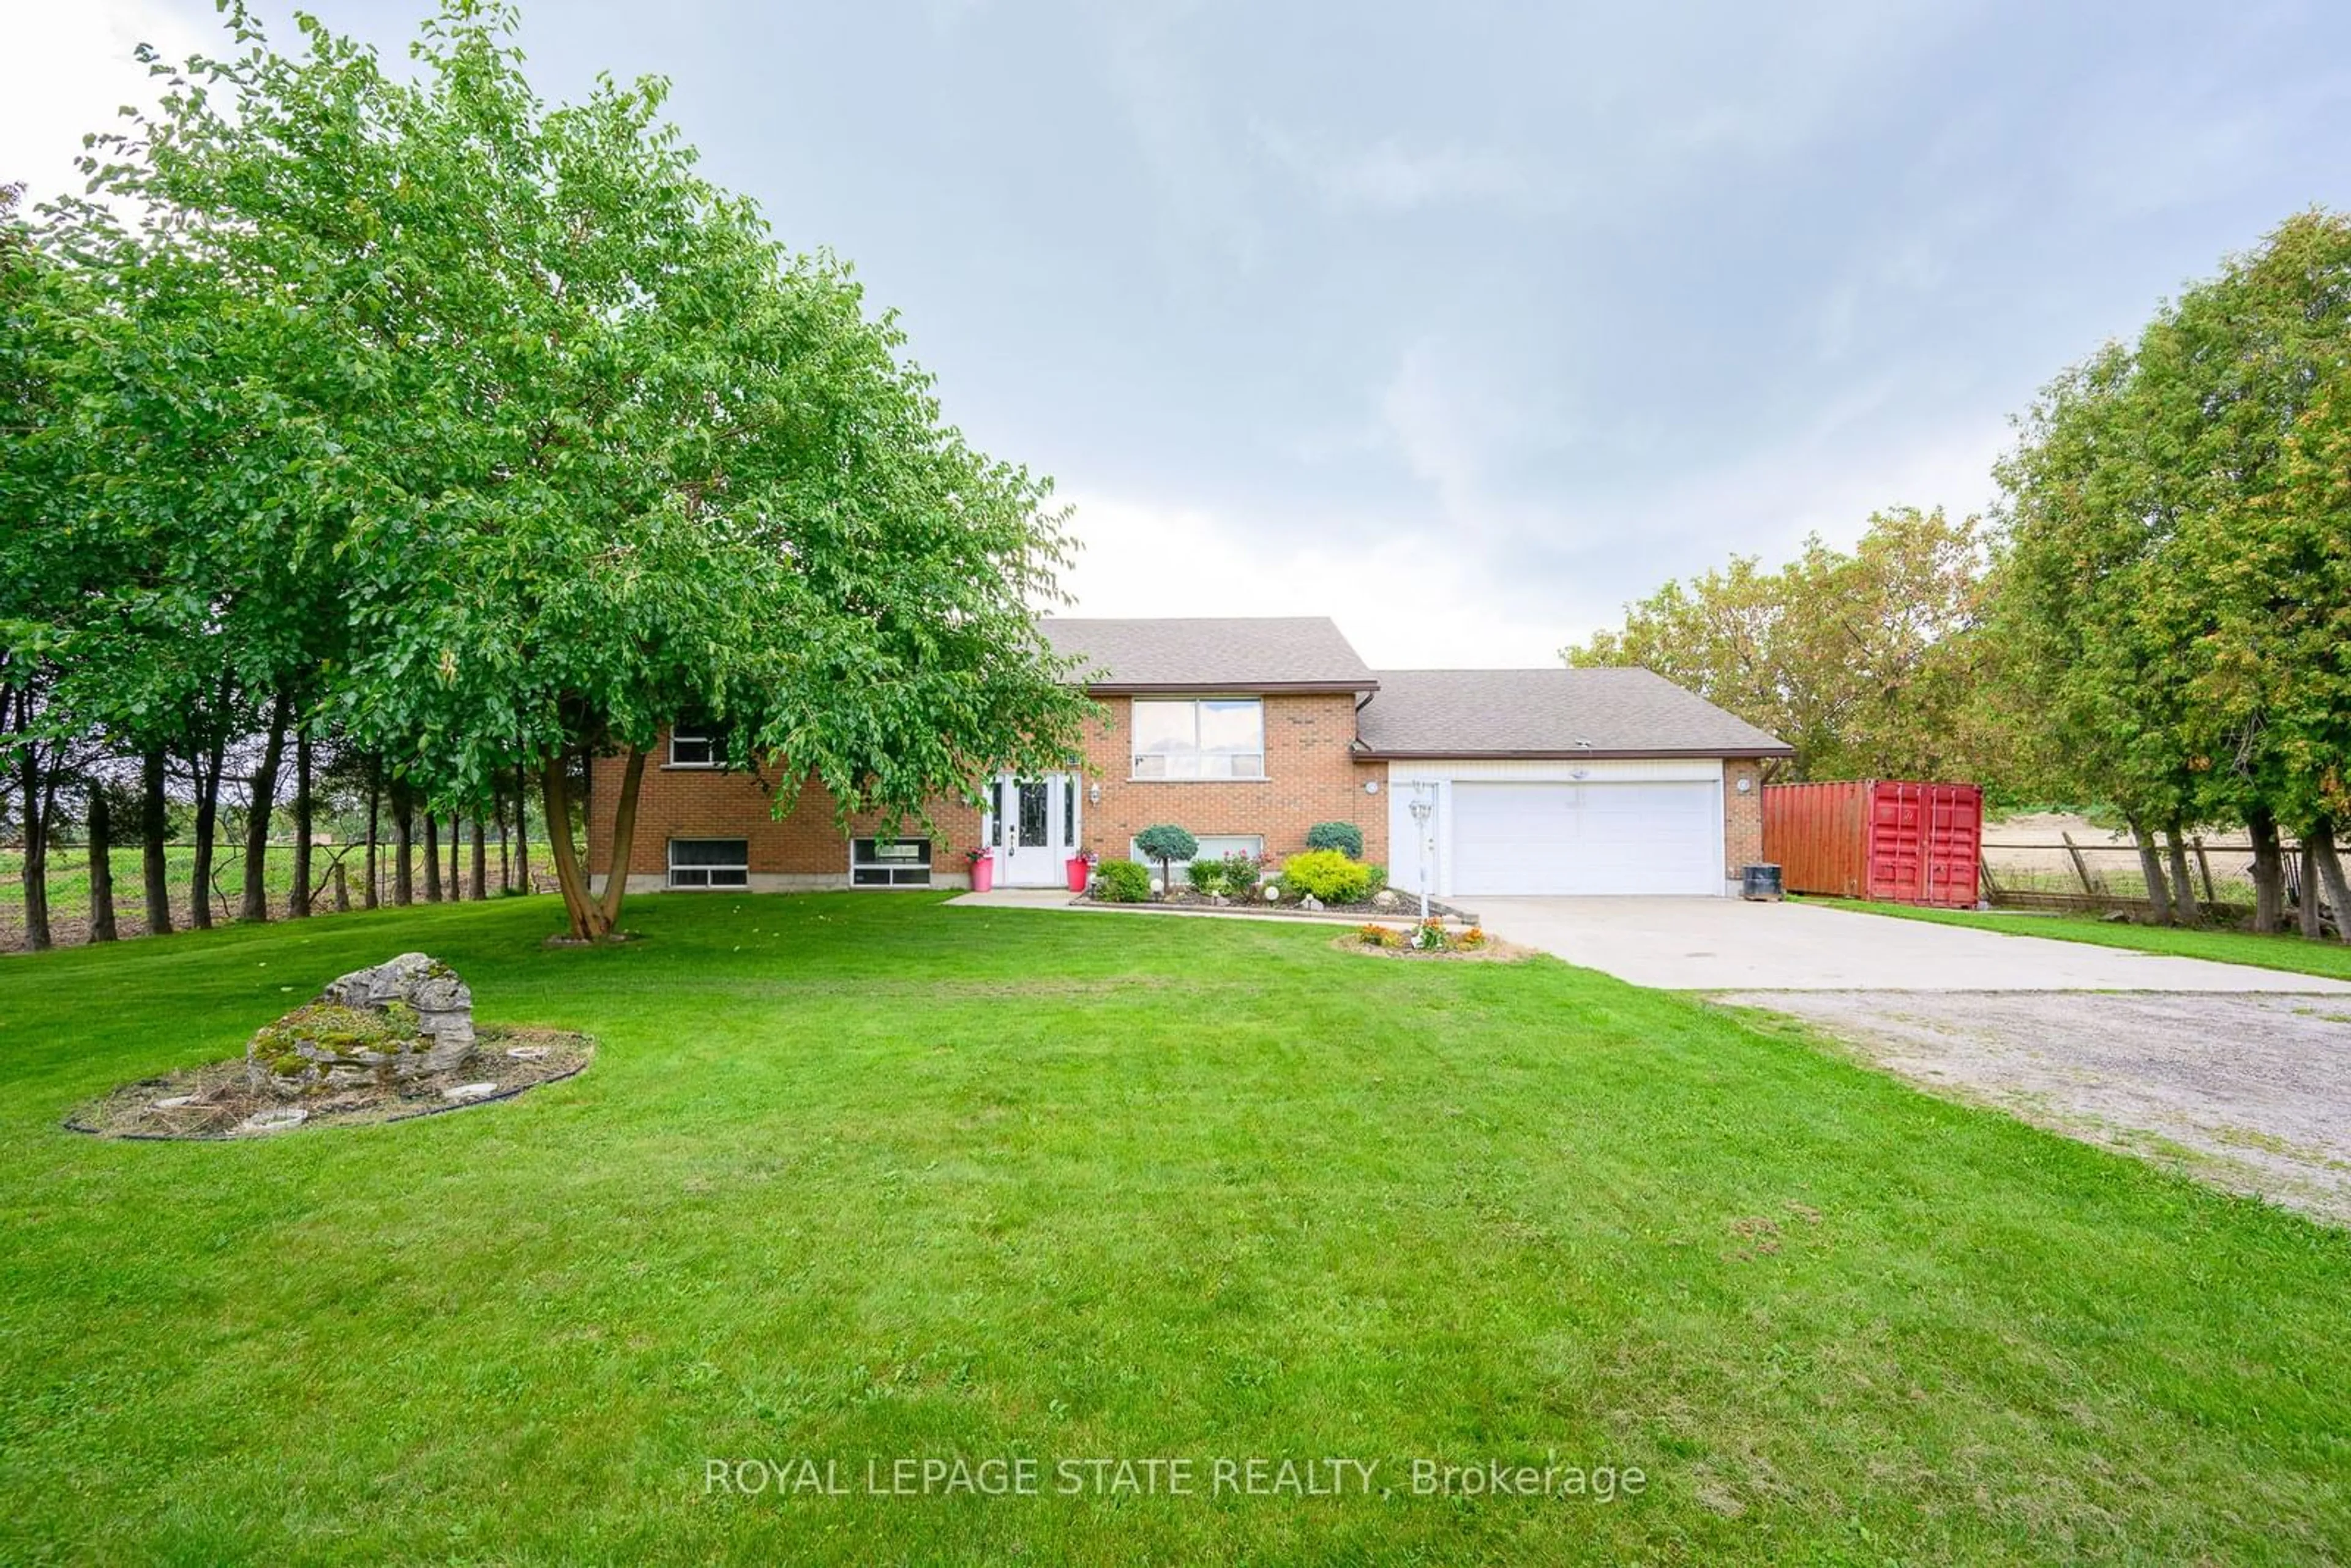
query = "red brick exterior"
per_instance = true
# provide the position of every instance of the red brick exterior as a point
(1312, 775)
(1742, 815)
(703, 803)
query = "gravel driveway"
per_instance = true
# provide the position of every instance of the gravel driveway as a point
(2250, 1091)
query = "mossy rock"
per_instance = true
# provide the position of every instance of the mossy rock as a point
(324, 1045)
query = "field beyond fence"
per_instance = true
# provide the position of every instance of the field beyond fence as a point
(2092, 873)
(338, 878)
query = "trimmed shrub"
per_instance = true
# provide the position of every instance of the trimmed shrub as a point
(1166, 843)
(1123, 881)
(1344, 837)
(1379, 879)
(1207, 877)
(1325, 874)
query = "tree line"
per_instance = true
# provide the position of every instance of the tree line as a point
(2156, 618)
(406, 424)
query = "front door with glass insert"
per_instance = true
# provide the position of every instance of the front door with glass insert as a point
(1037, 829)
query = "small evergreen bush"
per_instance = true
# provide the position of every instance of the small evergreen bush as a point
(1122, 882)
(1166, 843)
(1344, 837)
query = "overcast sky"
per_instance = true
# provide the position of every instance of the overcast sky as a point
(1462, 324)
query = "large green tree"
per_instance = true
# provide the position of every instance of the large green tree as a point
(2168, 588)
(579, 449)
(1862, 660)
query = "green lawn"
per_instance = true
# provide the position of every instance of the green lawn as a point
(869, 1178)
(2295, 953)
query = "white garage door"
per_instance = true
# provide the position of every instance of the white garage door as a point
(1587, 838)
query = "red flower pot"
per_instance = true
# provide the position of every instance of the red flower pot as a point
(1077, 874)
(983, 874)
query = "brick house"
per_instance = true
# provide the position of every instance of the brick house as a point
(1248, 732)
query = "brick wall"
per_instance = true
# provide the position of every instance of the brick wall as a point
(1312, 775)
(1742, 815)
(702, 803)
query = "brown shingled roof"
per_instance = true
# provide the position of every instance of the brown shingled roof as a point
(1550, 713)
(1303, 653)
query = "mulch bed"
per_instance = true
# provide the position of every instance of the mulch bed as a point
(215, 1101)
(1493, 950)
(1406, 906)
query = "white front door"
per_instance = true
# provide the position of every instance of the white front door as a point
(1037, 829)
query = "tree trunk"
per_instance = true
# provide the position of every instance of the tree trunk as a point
(432, 857)
(2269, 871)
(298, 907)
(2330, 877)
(580, 912)
(368, 896)
(2307, 906)
(200, 877)
(264, 802)
(403, 840)
(2150, 865)
(481, 863)
(38, 793)
(624, 832)
(456, 848)
(522, 830)
(102, 868)
(342, 892)
(505, 849)
(154, 822)
(2183, 889)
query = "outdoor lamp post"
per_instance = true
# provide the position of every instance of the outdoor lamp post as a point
(1424, 806)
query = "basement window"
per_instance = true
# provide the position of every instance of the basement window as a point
(709, 863)
(889, 862)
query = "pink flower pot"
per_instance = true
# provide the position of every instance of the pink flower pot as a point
(983, 874)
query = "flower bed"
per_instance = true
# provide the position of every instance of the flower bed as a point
(1429, 939)
(1403, 905)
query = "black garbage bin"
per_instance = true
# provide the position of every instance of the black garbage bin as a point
(1761, 882)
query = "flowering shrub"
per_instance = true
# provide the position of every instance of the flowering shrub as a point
(1235, 875)
(1376, 936)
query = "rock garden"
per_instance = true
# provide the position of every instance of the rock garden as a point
(1328, 878)
(380, 1045)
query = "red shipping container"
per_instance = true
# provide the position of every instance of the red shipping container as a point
(1876, 838)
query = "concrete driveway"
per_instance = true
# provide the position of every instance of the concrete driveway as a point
(1730, 945)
